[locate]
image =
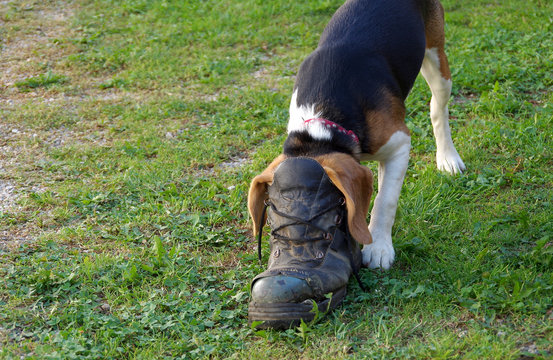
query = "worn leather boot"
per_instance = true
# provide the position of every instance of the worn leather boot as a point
(312, 254)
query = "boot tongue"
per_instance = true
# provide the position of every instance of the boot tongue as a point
(302, 189)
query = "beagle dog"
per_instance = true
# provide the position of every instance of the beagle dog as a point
(348, 106)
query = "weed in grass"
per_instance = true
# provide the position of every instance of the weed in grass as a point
(43, 80)
(113, 83)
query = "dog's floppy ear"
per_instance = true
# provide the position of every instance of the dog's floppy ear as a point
(258, 194)
(355, 181)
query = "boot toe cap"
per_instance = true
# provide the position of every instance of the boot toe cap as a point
(280, 289)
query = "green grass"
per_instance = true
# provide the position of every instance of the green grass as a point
(130, 238)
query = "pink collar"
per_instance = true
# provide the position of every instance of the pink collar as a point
(332, 125)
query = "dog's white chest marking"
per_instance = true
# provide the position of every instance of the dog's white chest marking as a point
(298, 115)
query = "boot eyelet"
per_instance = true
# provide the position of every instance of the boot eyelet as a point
(342, 201)
(319, 255)
(338, 219)
(328, 236)
(276, 253)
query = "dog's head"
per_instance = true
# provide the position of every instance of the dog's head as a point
(354, 180)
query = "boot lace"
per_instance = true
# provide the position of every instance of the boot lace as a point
(299, 221)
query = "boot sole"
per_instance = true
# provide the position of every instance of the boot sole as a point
(282, 316)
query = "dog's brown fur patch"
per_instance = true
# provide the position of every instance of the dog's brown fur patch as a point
(434, 26)
(385, 121)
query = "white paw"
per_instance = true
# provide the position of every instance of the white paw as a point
(379, 254)
(450, 161)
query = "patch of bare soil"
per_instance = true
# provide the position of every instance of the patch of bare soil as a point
(7, 196)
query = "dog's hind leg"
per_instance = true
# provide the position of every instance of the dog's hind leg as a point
(435, 70)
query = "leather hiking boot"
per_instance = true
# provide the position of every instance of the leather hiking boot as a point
(312, 255)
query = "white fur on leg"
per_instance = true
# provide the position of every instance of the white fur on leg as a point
(447, 157)
(393, 159)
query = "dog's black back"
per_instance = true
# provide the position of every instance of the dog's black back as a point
(368, 47)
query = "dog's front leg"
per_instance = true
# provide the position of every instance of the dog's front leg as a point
(393, 159)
